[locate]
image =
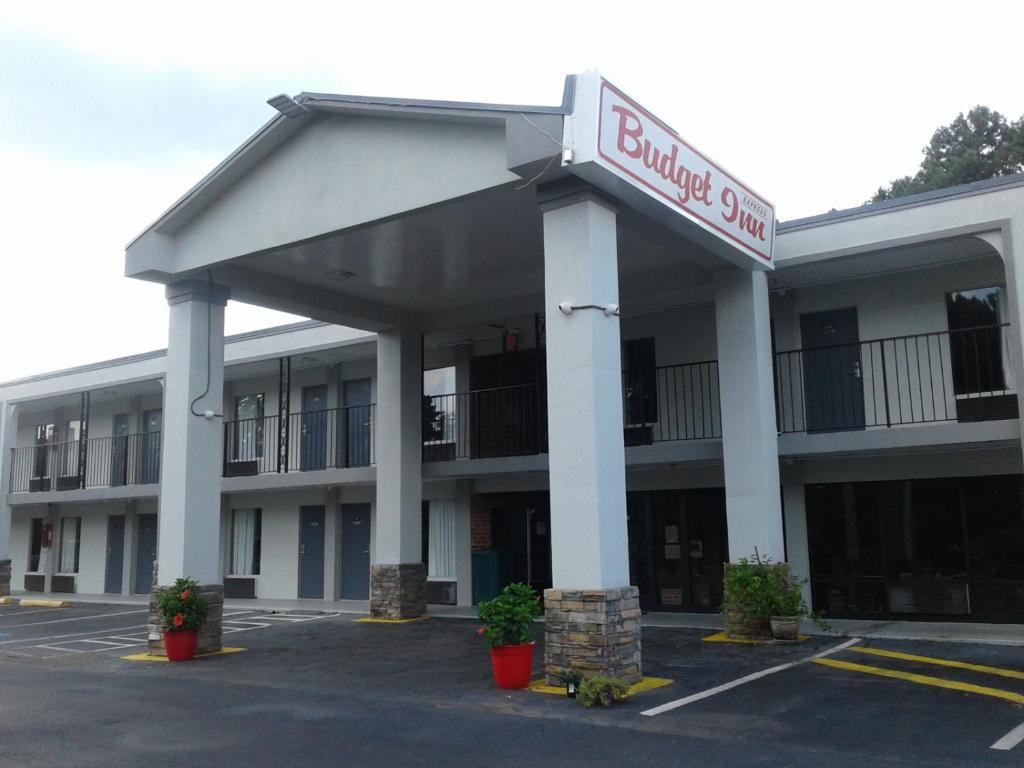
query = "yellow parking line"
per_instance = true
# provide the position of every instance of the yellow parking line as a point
(936, 682)
(1016, 674)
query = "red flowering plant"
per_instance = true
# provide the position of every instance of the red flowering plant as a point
(508, 618)
(181, 607)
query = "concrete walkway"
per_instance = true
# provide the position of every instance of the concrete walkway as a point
(940, 631)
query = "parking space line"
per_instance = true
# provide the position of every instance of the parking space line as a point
(73, 618)
(1016, 674)
(1010, 740)
(669, 706)
(912, 677)
(98, 632)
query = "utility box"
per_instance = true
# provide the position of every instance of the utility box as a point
(492, 572)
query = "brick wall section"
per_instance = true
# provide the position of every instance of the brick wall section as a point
(480, 522)
(5, 578)
(596, 632)
(210, 633)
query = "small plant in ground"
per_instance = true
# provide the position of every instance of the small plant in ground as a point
(570, 676)
(602, 690)
(181, 607)
(507, 619)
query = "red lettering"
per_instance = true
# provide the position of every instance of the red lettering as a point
(731, 203)
(633, 132)
(752, 225)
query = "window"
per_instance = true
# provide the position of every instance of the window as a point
(46, 434)
(441, 540)
(248, 437)
(640, 389)
(975, 340)
(35, 547)
(70, 537)
(69, 448)
(439, 405)
(246, 532)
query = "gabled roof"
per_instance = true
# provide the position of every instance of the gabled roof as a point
(279, 129)
(922, 198)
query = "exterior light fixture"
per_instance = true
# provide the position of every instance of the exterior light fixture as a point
(610, 310)
(287, 106)
(571, 679)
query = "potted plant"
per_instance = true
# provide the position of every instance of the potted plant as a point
(506, 628)
(764, 600)
(182, 611)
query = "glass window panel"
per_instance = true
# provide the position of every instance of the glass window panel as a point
(246, 541)
(441, 540)
(70, 533)
(975, 340)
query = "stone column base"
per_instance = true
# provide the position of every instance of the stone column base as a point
(210, 634)
(594, 631)
(5, 578)
(398, 591)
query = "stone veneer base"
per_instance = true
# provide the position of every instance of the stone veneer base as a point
(398, 591)
(210, 634)
(594, 631)
(5, 578)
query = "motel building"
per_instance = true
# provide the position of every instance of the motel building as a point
(555, 345)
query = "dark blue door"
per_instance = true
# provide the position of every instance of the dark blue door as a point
(355, 552)
(145, 553)
(115, 555)
(833, 387)
(356, 433)
(311, 552)
(314, 427)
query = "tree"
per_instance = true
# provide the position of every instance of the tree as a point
(981, 145)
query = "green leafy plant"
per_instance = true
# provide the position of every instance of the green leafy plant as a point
(764, 589)
(602, 690)
(507, 619)
(570, 676)
(181, 607)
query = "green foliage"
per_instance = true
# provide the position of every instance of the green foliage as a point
(602, 690)
(181, 607)
(570, 676)
(764, 589)
(981, 145)
(507, 619)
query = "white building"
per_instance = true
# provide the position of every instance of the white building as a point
(846, 401)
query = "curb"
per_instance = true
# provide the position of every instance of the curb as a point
(38, 603)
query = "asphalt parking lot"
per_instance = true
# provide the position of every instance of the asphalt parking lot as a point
(324, 689)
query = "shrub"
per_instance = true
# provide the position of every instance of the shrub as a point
(181, 607)
(507, 619)
(602, 690)
(763, 589)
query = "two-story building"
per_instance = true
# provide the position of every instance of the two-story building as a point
(555, 382)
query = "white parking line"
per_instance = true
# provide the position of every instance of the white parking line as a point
(73, 618)
(99, 632)
(668, 707)
(1010, 740)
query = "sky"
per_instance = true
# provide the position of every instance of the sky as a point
(112, 110)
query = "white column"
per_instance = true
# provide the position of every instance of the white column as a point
(464, 542)
(795, 510)
(190, 476)
(749, 434)
(398, 519)
(1012, 240)
(586, 455)
(8, 439)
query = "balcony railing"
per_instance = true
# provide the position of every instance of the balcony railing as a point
(312, 440)
(961, 375)
(680, 403)
(107, 462)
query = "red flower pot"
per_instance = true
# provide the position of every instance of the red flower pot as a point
(180, 645)
(512, 665)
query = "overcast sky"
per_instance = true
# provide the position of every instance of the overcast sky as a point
(110, 111)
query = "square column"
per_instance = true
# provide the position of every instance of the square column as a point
(750, 446)
(592, 615)
(8, 435)
(189, 517)
(398, 579)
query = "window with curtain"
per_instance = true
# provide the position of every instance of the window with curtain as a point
(69, 448)
(441, 540)
(245, 542)
(439, 405)
(248, 427)
(975, 340)
(70, 537)
(35, 547)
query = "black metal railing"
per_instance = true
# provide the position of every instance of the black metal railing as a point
(485, 423)
(311, 440)
(681, 402)
(961, 375)
(109, 462)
